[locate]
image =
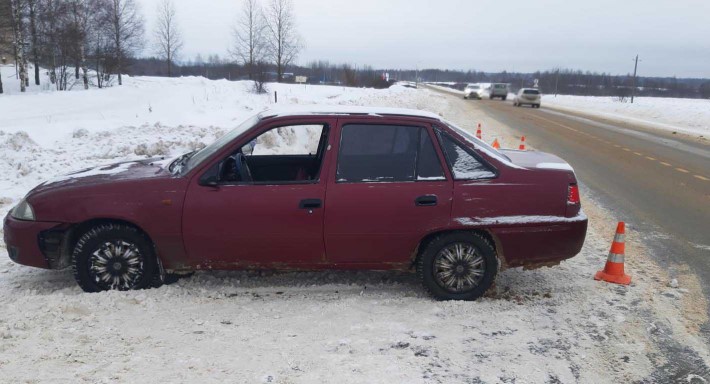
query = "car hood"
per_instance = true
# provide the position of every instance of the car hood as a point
(535, 159)
(123, 171)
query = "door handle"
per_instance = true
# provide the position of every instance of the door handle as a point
(310, 203)
(426, 201)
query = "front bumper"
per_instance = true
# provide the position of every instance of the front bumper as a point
(27, 241)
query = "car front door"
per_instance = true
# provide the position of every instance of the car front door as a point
(389, 190)
(273, 220)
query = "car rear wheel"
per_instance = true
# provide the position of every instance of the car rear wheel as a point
(458, 266)
(113, 257)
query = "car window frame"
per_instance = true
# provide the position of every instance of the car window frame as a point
(439, 135)
(446, 178)
(207, 171)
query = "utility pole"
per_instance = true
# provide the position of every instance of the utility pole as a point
(633, 81)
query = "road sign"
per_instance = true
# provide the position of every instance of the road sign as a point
(301, 79)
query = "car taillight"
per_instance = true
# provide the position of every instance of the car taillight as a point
(573, 194)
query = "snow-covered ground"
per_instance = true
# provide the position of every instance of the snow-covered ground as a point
(552, 325)
(691, 116)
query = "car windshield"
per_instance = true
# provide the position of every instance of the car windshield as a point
(209, 150)
(499, 86)
(531, 92)
(478, 143)
(473, 86)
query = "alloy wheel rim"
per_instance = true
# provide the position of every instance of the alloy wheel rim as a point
(459, 268)
(116, 265)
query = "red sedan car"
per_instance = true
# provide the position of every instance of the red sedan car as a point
(305, 189)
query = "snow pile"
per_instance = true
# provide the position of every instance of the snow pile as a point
(683, 115)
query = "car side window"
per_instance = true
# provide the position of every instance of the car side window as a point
(464, 165)
(286, 154)
(428, 164)
(386, 153)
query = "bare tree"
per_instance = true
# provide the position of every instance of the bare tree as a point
(126, 28)
(32, 6)
(167, 34)
(19, 42)
(282, 39)
(248, 34)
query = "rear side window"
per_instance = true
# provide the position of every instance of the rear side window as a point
(371, 153)
(428, 165)
(464, 165)
(531, 92)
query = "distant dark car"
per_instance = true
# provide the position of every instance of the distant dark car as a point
(344, 188)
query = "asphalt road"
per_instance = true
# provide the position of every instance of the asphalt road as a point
(658, 182)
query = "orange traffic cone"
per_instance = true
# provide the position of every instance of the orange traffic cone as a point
(478, 131)
(522, 144)
(495, 144)
(614, 269)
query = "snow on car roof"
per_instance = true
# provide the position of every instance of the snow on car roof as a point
(297, 110)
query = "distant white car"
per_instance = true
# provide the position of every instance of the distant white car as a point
(473, 91)
(529, 96)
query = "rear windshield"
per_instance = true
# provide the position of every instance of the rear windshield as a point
(473, 86)
(531, 92)
(499, 86)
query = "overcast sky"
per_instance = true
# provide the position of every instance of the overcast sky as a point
(671, 37)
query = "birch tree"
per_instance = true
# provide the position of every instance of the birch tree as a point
(19, 42)
(167, 34)
(32, 6)
(249, 36)
(126, 28)
(282, 39)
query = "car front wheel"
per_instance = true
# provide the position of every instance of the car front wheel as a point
(458, 266)
(113, 257)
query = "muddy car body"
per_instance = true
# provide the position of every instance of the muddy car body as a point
(369, 189)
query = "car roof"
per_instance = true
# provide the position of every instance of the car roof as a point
(301, 110)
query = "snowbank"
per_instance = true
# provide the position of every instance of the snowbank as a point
(690, 116)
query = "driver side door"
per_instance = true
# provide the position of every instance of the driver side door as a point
(273, 220)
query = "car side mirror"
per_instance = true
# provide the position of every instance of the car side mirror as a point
(210, 181)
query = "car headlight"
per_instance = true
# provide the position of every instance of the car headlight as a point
(23, 211)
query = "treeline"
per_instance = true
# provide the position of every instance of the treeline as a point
(318, 72)
(576, 82)
(89, 42)
(71, 37)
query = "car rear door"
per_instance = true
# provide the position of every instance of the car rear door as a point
(387, 190)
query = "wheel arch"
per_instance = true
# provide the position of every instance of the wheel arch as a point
(75, 232)
(485, 233)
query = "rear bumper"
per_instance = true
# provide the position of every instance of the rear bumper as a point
(544, 244)
(23, 239)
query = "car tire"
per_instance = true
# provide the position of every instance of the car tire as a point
(113, 257)
(476, 261)
(503, 98)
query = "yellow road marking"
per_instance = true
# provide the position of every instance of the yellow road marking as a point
(701, 177)
(617, 145)
(682, 170)
(651, 158)
(626, 149)
(638, 153)
(666, 164)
